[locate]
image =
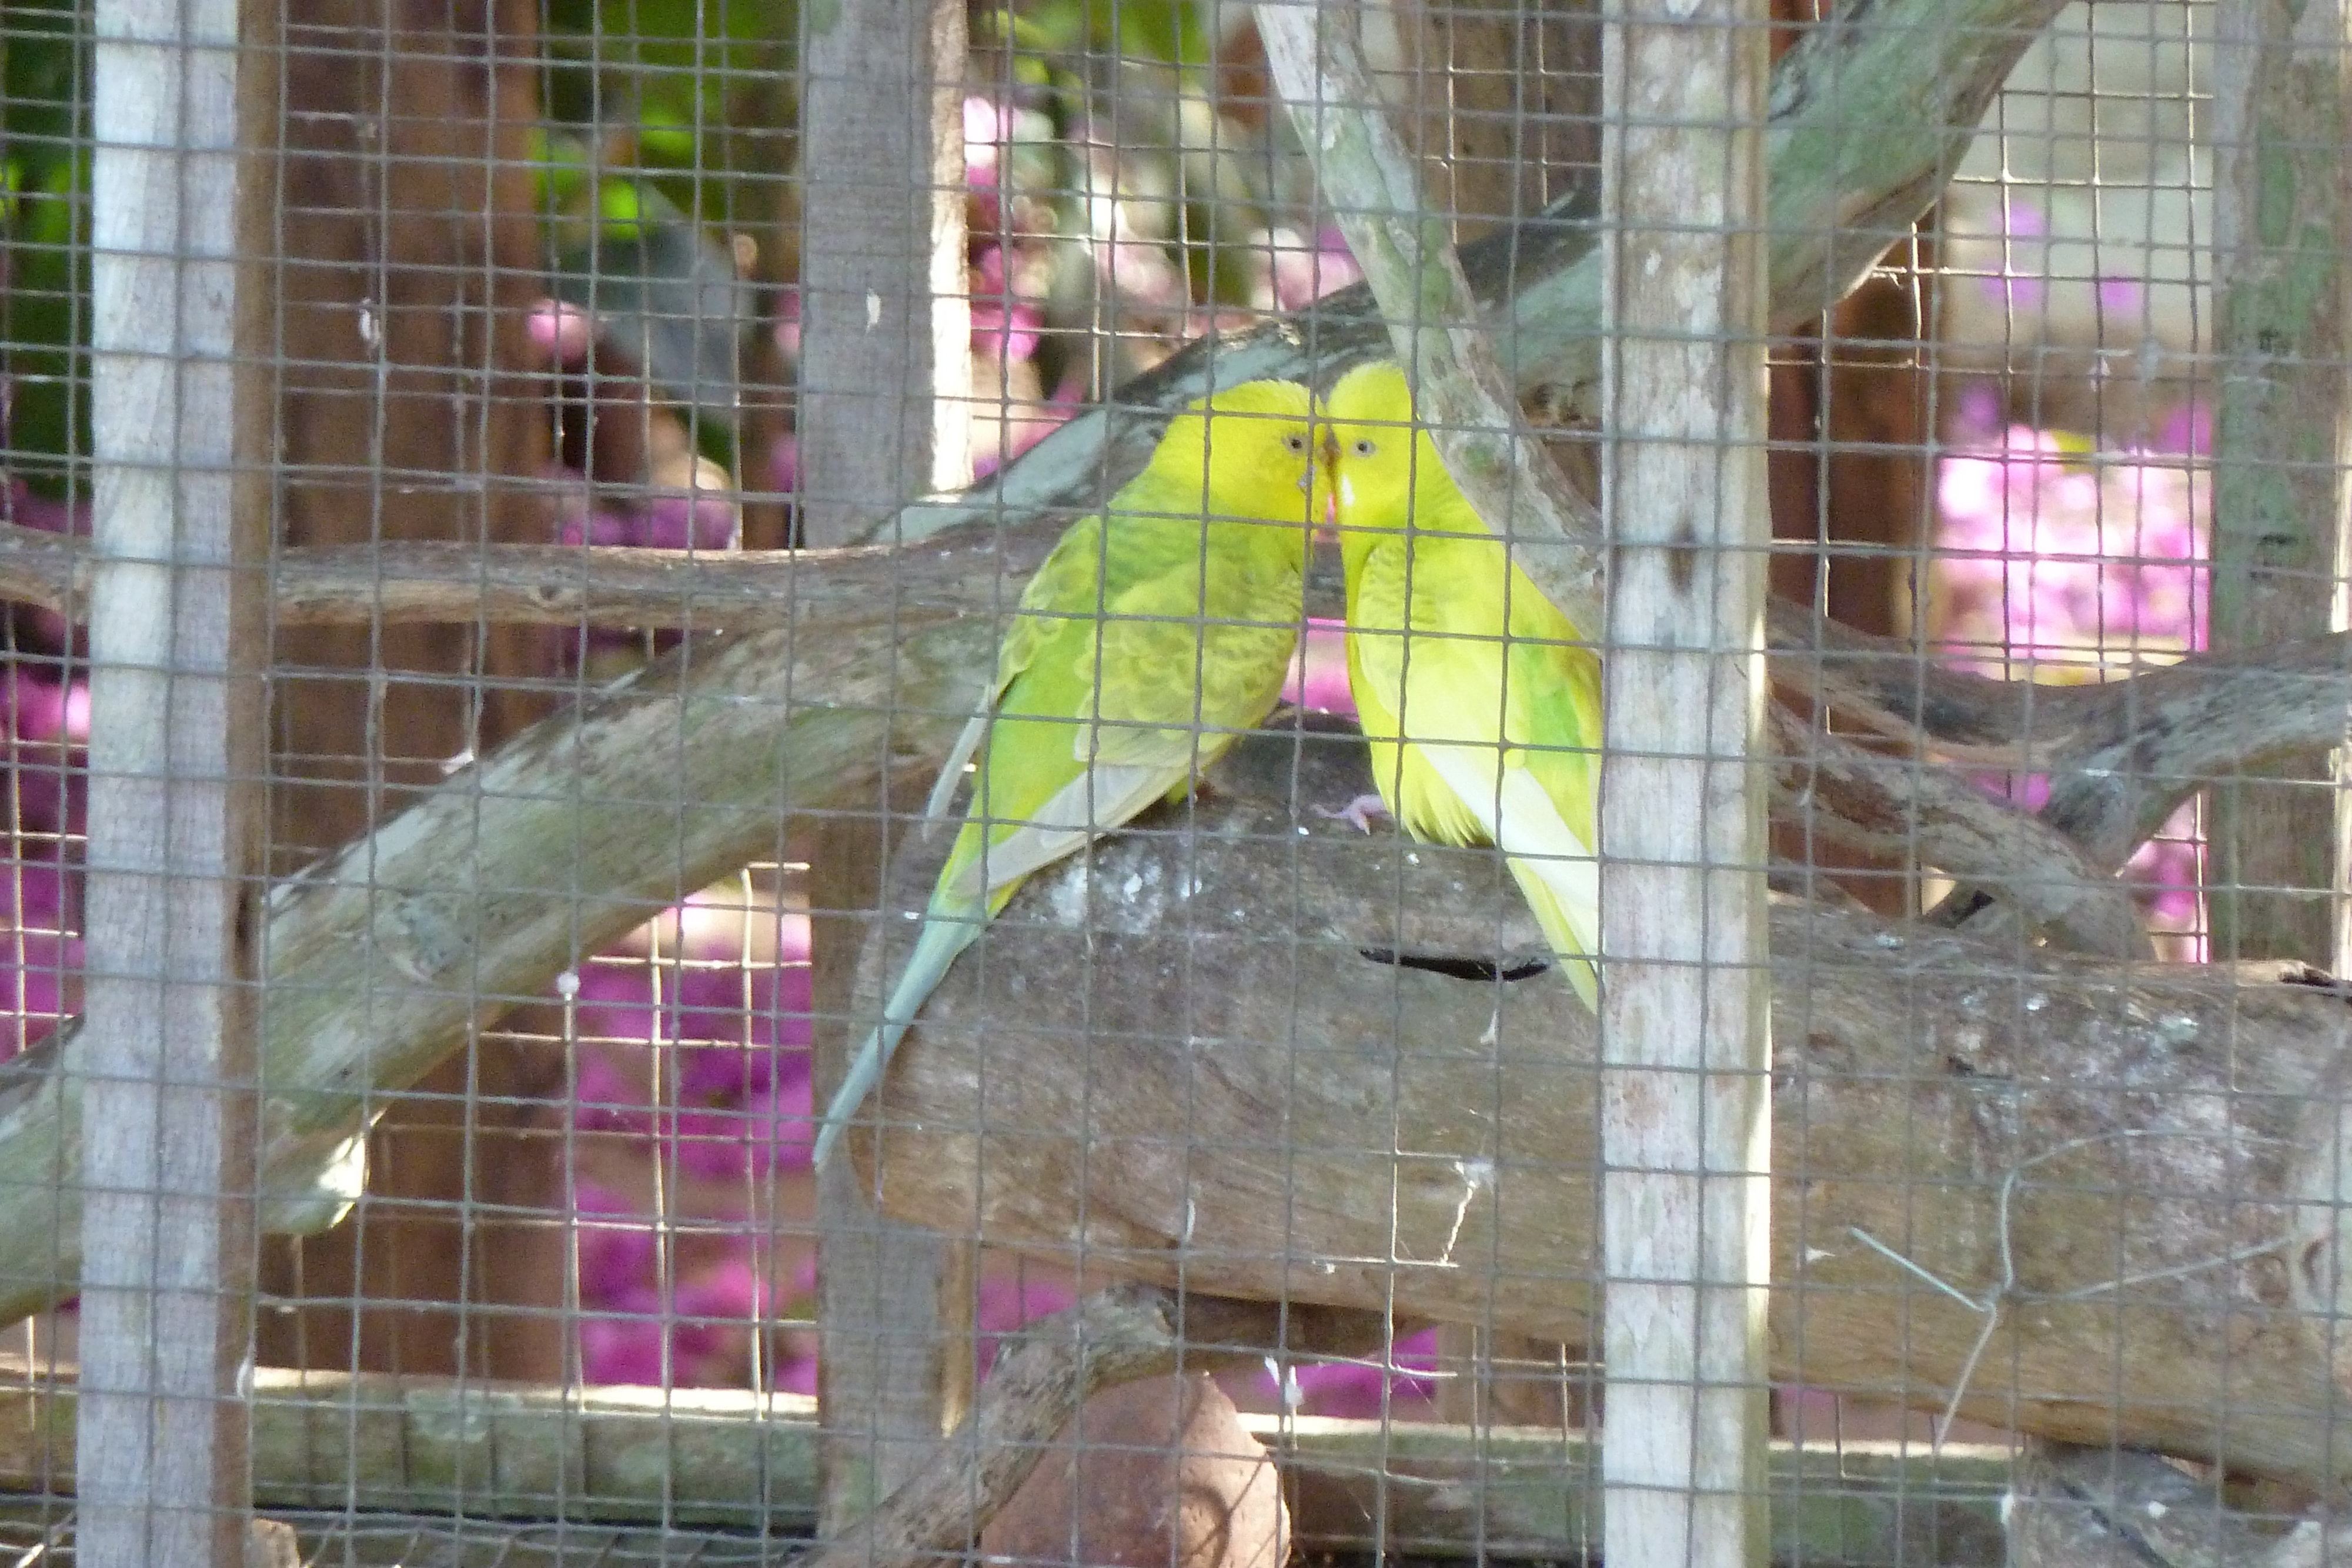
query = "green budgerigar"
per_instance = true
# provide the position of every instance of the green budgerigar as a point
(1154, 635)
(1483, 708)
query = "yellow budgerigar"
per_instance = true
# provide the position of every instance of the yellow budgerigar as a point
(1483, 711)
(1154, 636)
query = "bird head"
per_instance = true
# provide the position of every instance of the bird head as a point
(1376, 456)
(1259, 450)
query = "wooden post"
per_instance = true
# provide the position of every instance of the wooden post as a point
(2282, 222)
(885, 319)
(176, 770)
(1686, 1055)
(894, 1361)
(885, 414)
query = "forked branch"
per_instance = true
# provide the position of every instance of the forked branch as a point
(1042, 1377)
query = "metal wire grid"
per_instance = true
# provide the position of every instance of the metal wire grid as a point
(2099, 336)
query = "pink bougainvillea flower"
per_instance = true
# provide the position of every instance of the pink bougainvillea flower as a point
(703, 519)
(2066, 562)
(1007, 321)
(48, 727)
(794, 1369)
(617, 1247)
(705, 1325)
(706, 1332)
(748, 1137)
(2187, 430)
(784, 463)
(987, 130)
(2058, 562)
(2018, 290)
(2123, 298)
(30, 509)
(786, 328)
(562, 334)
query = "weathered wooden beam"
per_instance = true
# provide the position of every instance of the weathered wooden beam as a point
(177, 762)
(885, 414)
(2119, 1162)
(715, 1458)
(895, 1357)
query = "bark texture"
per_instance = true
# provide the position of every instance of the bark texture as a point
(1176, 1061)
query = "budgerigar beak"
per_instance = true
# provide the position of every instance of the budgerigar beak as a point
(1322, 502)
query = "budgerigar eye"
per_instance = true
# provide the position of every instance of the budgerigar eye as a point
(1363, 447)
(1295, 444)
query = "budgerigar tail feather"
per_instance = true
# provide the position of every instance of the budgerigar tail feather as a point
(1559, 927)
(943, 937)
(1554, 867)
(943, 788)
(1093, 804)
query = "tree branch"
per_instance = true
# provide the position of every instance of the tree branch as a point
(1871, 112)
(2190, 721)
(1905, 807)
(2118, 1166)
(1041, 1378)
(570, 585)
(1405, 247)
(2134, 750)
(381, 959)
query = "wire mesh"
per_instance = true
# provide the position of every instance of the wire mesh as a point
(668, 406)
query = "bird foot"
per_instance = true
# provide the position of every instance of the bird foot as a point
(1357, 813)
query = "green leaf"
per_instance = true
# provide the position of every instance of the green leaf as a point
(620, 203)
(45, 126)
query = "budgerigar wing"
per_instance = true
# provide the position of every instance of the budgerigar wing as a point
(1181, 672)
(1069, 583)
(1377, 616)
(1552, 707)
(1122, 685)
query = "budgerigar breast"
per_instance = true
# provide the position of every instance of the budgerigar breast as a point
(1486, 666)
(1422, 687)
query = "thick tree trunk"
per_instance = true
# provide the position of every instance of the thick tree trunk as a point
(409, 258)
(1181, 1066)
